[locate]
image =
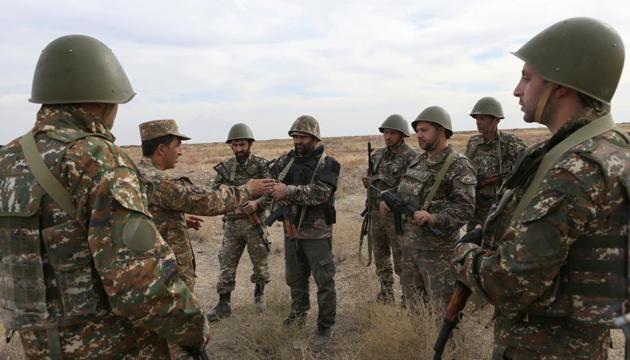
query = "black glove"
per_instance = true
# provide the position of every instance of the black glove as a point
(471, 237)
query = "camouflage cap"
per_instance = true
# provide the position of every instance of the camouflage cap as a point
(157, 128)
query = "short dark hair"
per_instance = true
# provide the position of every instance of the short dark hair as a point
(150, 146)
(597, 106)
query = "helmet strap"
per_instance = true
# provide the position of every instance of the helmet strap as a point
(543, 100)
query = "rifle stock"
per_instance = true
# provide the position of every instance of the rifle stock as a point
(455, 306)
(254, 220)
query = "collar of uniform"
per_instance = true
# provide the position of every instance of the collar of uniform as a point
(396, 148)
(439, 158)
(490, 142)
(580, 119)
(244, 162)
(60, 117)
(147, 163)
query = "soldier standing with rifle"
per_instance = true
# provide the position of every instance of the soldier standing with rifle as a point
(440, 185)
(555, 256)
(239, 231)
(388, 165)
(171, 198)
(492, 154)
(85, 273)
(307, 184)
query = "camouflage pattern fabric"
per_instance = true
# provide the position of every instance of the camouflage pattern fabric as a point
(484, 158)
(170, 198)
(389, 164)
(147, 303)
(583, 199)
(157, 128)
(427, 273)
(452, 206)
(238, 232)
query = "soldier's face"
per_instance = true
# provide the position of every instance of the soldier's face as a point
(528, 92)
(391, 137)
(428, 135)
(171, 153)
(240, 148)
(486, 124)
(303, 143)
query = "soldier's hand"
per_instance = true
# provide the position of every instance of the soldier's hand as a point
(423, 217)
(279, 191)
(250, 207)
(259, 187)
(367, 181)
(193, 222)
(383, 209)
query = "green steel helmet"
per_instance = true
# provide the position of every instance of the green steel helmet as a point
(305, 124)
(240, 131)
(396, 122)
(436, 115)
(488, 106)
(79, 69)
(581, 53)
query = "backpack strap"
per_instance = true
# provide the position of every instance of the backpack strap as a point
(438, 180)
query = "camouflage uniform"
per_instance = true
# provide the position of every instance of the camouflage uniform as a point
(389, 165)
(238, 232)
(170, 198)
(426, 269)
(553, 272)
(491, 158)
(311, 252)
(106, 293)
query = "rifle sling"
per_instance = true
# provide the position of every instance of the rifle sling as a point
(44, 177)
(320, 162)
(438, 180)
(589, 131)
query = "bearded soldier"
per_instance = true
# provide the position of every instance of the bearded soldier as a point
(492, 154)
(389, 164)
(172, 197)
(307, 183)
(555, 259)
(440, 184)
(85, 273)
(238, 230)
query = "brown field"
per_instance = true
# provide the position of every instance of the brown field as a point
(364, 330)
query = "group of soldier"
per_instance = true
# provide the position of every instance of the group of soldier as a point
(96, 260)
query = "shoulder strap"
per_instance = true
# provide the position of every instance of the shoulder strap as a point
(438, 180)
(44, 177)
(233, 171)
(499, 155)
(285, 170)
(320, 162)
(589, 131)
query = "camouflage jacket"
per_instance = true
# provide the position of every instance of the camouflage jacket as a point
(316, 199)
(389, 165)
(238, 173)
(170, 198)
(91, 270)
(484, 156)
(452, 205)
(564, 256)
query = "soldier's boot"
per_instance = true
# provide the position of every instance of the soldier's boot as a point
(259, 297)
(386, 296)
(295, 319)
(222, 309)
(323, 336)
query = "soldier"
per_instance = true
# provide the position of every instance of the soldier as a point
(440, 183)
(556, 257)
(492, 154)
(307, 184)
(238, 230)
(170, 198)
(389, 164)
(85, 272)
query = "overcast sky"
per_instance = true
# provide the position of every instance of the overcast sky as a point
(210, 64)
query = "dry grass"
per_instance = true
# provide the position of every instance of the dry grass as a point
(364, 330)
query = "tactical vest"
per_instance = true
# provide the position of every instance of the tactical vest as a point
(592, 286)
(47, 278)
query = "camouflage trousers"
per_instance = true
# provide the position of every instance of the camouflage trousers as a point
(537, 337)
(303, 257)
(239, 233)
(385, 244)
(427, 273)
(109, 337)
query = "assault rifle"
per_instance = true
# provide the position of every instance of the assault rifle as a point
(365, 214)
(281, 213)
(483, 181)
(254, 220)
(455, 306)
(398, 208)
(221, 170)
